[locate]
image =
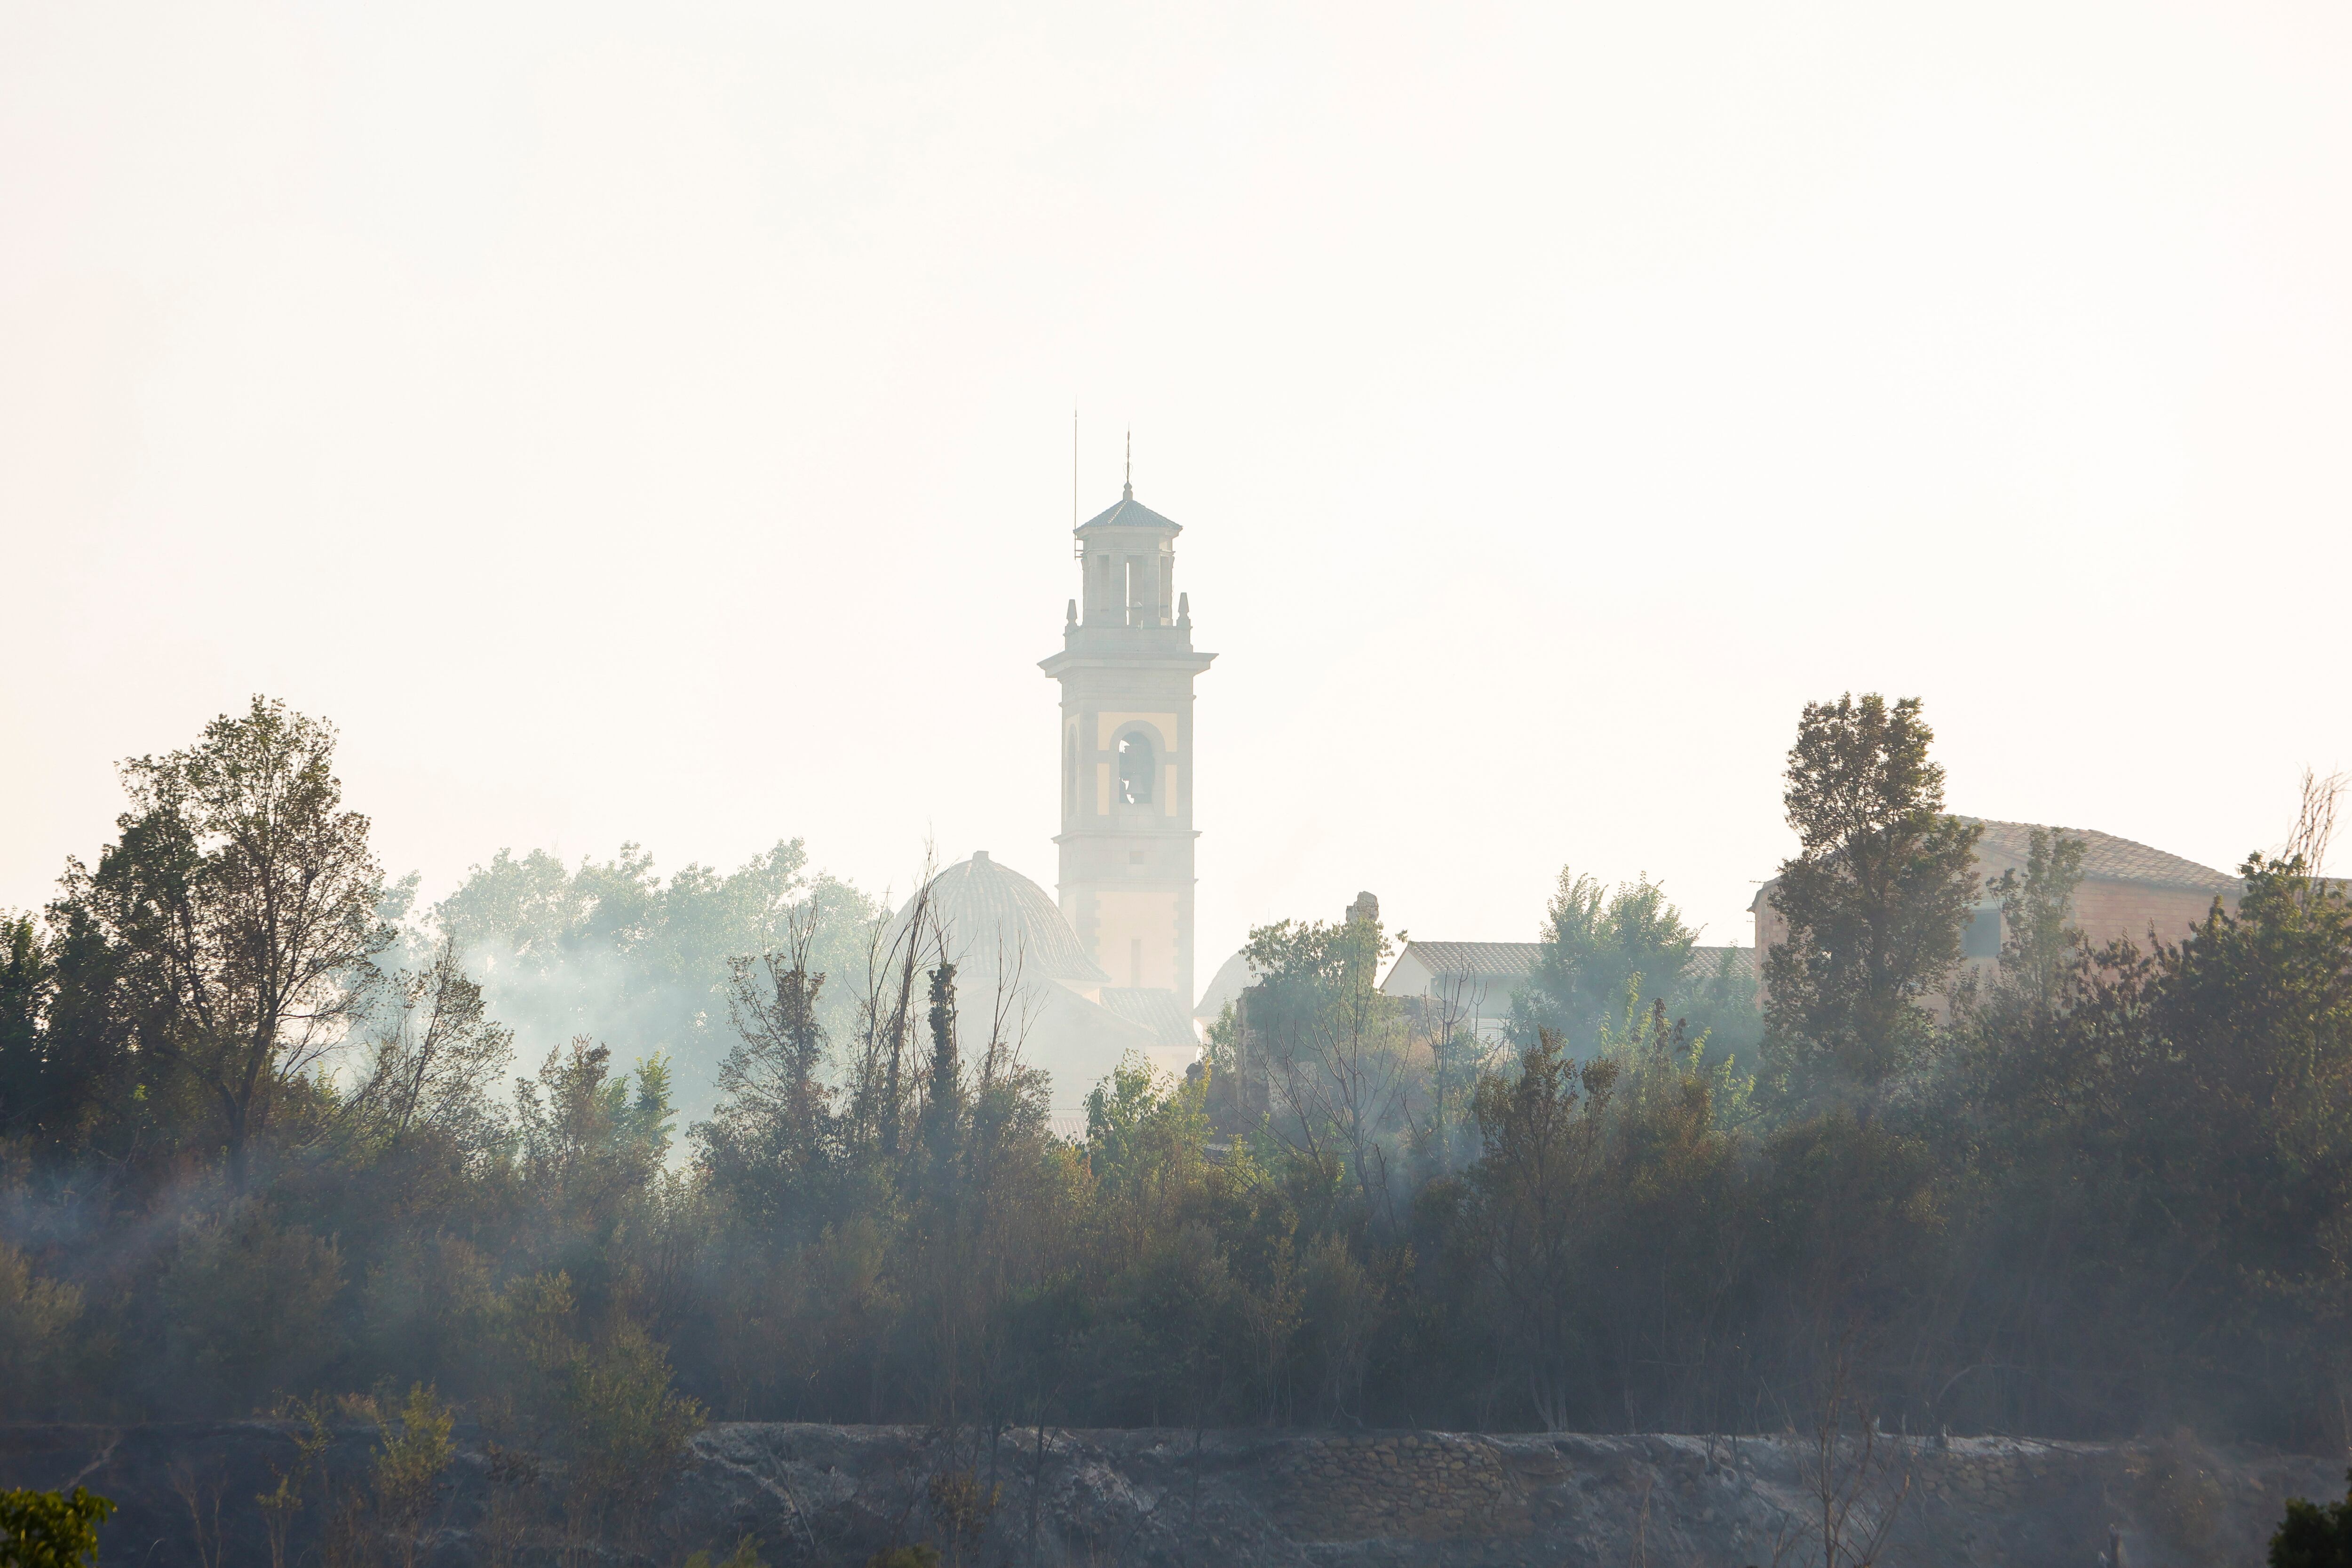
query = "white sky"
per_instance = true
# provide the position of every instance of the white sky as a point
(654, 422)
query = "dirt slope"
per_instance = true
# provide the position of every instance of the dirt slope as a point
(834, 1495)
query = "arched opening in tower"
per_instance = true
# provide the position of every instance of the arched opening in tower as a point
(1134, 770)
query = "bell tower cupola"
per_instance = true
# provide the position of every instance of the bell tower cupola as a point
(1126, 670)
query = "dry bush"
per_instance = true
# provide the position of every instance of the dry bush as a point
(2179, 1493)
(36, 1316)
(247, 1302)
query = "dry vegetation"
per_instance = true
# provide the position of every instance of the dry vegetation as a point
(259, 1148)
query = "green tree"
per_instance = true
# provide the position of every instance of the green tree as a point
(608, 948)
(25, 977)
(626, 1427)
(1595, 943)
(2045, 959)
(770, 1145)
(413, 1451)
(83, 1085)
(1874, 898)
(36, 1317)
(1144, 1137)
(1533, 1214)
(1334, 1050)
(50, 1530)
(2162, 1165)
(241, 904)
(2314, 1535)
(587, 1147)
(437, 1054)
(246, 1304)
(2040, 948)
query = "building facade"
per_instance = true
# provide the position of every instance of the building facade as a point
(2128, 889)
(1126, 670)
(1475, 981)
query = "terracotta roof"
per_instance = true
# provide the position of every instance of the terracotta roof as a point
(2105, 857)
(1158, 1013)
(991, 912)
(1130, 513)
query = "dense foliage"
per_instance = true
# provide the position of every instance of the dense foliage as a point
(260, 1144)
(50, 1530)
(2314, 1535)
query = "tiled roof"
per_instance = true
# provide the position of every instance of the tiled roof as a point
(1477, 959)
(1157, 1011)
(1515, 960)
(1130, 513)
(2105, 857)
(1708, 963)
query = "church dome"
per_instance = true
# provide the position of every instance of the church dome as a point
(1232, 978)
(987, 910)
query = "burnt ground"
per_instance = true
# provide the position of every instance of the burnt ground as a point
(835, 1495)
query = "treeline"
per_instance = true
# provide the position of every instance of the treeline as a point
(260, 1144)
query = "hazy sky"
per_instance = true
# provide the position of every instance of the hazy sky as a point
(653, 423)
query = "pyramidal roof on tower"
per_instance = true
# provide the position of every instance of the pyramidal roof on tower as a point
(1130, 513)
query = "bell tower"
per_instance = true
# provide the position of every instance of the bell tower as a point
(1125, 668)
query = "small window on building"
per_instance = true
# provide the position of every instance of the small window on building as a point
(1982, 937)
(1134, 770)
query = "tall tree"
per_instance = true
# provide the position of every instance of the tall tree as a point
(241, 902)
(25, 981)
(1595, 943)
(1543, 1136)
(437, 1052)
(1333, 1047)
(942, 1105)
(1876, 896)
(2042, 952)
(607, 948)
(771, 1140)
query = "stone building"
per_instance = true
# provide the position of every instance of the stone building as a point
(2128, 889)
(1108, 969)
(1126, 670)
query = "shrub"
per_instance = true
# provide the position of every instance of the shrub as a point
(50, 1530)
(916, 1556)
(34, 1316)
(247, 1301)
(2314, 1535)
(624, 1428)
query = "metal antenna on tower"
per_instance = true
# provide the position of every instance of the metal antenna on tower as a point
(1131, 465)
(1074, 467)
